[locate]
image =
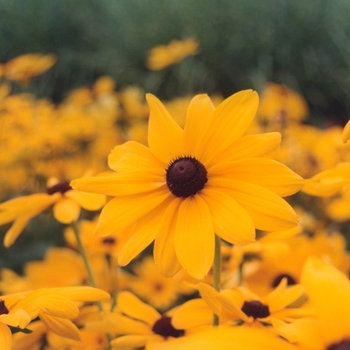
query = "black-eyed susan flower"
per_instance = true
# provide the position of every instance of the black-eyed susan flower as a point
(328, 291)
(66, 202)
(192, 182)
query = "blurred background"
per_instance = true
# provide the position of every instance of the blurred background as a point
(304, 44)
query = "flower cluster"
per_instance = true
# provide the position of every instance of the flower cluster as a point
(198, 223)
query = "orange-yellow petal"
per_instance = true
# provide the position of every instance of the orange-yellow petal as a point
(88, 201)
(132, 156)
(198, 116)
(121, 212)
(194, 233)
(61, 326)
(129, 342)
(268, 211)
(346, 132)
(133, 307)
(263, 172)
(165, 137)
(164, 251)
(5, 337)
(231, 221)
(228, 122)
(192, 313)
(66, 211)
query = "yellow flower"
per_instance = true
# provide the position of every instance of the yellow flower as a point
(193, 182)
(329, 292)
(163, 56)
(280, 105)
(17, 318)
(56, 307)
(66, 207)
(23, 68)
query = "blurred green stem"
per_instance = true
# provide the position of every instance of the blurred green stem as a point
(217, 272)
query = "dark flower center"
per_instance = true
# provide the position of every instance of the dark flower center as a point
(3, 308)
(59, 187)
(255, 309)
(290, 280)
(109, 240)
(343, 345)
(164, 328)
(186, 176)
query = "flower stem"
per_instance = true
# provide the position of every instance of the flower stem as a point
(217, 272)
(91, 277)
(82, 251)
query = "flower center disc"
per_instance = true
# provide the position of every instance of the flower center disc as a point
(164, 328)
(186, 176)
(256, 309)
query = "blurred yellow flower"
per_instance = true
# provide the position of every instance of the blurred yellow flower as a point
(66, 207)
(204, 178)
(23, 68)
(163, 56)
(328, 291)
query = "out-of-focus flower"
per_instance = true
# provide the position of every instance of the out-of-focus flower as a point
(281, 105)
(206, 178)
(163, 56)
(23, 68)
(56, 307)
(346, 132)
(149, 285)
(66, 202)
(328, 291)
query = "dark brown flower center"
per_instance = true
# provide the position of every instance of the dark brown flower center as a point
(3, 308)
(343, 345)
(109, 240)
(290, 280)
(256, 309)
(61, 187)
(164, 328)
(186, 176)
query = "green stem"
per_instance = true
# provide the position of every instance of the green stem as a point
(82, 251)
(217, 272)
(91, 277)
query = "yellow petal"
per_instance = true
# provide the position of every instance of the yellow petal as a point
(224, 338)
(346, 132)
(142, 235)
(132, 156)
(18, 318)
(198, 116)
(192, 313)
(122, 212)
(5, 337)
(165, 137)
(120, 184)
(82, 293)
(268, 211)
(88, 201)
(209, 294)
(231, 222)
(66, 211)
(127, 342)
(329, 292)
(61, 326)
(15, 230)
(229, 304)
(228, 122)
(194, 233)
(263, 172)
(164, 250)
(249, 146)
(133, 307)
